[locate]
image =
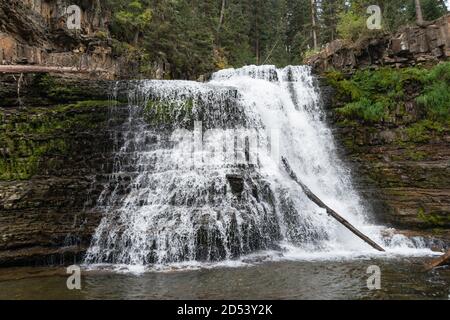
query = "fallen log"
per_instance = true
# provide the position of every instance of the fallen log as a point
(439, 262)
(330, 211)
(40, 69)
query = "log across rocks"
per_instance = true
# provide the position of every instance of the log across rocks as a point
(17, 69)
(330, 211)
(439, 262)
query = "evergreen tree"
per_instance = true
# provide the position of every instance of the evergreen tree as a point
(200, 36)
(131, 18)
(329, 18)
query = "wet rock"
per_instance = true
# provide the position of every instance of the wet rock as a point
(236, 183)
(48, 177)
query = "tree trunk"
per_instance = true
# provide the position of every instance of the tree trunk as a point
(40, 69)
(314, 24)
(419, 13)
(222, 15)
(136, 38)
(256, 34)
(441, 261)
(330, 211)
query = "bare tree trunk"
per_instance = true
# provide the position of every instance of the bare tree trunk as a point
(257, 51)
(314, 24)
(419, 13)
(441, 261)
(330, 211)
(222, 15)
(136, 38)
(40, 69)
(257, 36)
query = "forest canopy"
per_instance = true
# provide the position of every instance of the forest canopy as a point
(197, 37)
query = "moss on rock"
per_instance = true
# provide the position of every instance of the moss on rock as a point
(26, 135)
(433, 220)
(169, 113)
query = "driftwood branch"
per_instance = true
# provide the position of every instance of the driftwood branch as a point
(330, 211)
(441, 261)
(20, 69)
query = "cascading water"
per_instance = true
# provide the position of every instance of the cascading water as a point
(198, 177)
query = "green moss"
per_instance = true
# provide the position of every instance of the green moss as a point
(165, 113)
(348, 123)
(51, 89)
(433, 219)
(89, 104)
(26, 136)
(416, 155)
(424, 131)
(47, 85)
(101, 35)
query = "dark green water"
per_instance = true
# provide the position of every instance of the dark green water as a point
(401, 278)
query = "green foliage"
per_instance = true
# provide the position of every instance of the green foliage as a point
(423, 131)
(331, 11)
(415, 155)
(432, 9)
(189, 37)
(374, 95)
(352, 19)
(433, 219)
(364, 109)
(351, 25)
(436, 96)
(309, 53)
(130, 18)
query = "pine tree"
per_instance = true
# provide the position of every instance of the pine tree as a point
(131, 18)
(329, 18)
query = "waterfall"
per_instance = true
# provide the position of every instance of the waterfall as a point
(197, 175)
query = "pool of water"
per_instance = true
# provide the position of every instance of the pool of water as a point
(401, 278)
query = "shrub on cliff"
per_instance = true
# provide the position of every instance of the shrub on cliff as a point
(435, 98)
(374, 96)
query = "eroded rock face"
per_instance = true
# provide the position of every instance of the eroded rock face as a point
(406, 180)
(409, 183)
(410, 46)
(55, 155)
(35, 32)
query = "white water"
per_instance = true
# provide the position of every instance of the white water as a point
(170, 203)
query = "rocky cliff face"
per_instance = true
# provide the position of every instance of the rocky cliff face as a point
(412, 45)
(55, 155)
(407, 181)
(35, 32)
(401, 157)
(398, 146)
